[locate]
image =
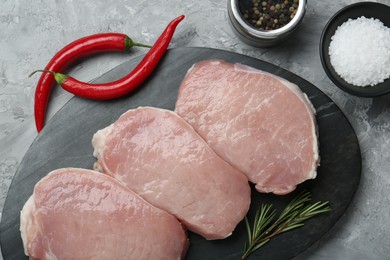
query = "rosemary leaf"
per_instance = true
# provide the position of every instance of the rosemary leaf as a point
(248, 228)
(293, 216)
(266, 215)
(260, 244)
(292, 227)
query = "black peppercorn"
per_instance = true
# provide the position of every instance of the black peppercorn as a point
(268, 14)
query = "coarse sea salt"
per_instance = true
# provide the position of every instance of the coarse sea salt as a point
(360, 51)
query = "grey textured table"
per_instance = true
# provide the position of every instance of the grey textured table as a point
(32, 31)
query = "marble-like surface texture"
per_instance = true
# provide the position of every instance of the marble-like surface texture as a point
(32, 31)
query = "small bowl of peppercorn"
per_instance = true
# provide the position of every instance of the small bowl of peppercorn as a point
(264, 23)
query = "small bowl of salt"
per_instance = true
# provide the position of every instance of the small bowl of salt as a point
(355, 49)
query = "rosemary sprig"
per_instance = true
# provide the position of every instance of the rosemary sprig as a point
(293, 216)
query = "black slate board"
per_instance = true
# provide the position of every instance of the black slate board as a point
(66, 142)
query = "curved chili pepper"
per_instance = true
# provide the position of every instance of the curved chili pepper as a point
(75, 50)
(126, 84)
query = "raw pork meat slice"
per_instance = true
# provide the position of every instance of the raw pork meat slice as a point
(260, 123)
(82, 214)
(159, 156)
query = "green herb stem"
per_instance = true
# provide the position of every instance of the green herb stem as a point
(293, 216)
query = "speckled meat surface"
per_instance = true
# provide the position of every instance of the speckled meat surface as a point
(158, 155)
(260, 123)
(82, 214)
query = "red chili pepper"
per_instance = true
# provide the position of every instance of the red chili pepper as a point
(75, 50)
(126, 84)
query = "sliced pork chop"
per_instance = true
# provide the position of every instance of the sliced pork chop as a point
(260, 123)
(159, 156)
(82, 214)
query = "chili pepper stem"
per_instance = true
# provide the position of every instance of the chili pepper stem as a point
(141, 45)
(59, 77)
(130, 43)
